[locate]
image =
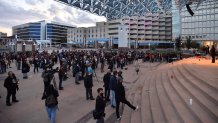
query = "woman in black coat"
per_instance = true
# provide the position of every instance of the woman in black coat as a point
(25, 69)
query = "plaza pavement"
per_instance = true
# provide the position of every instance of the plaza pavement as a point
(162, 90)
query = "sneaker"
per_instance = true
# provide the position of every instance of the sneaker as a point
(137, 107)
(118, 119)
(8, 104)
(92, 98)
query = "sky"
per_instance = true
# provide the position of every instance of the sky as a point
(16, 12)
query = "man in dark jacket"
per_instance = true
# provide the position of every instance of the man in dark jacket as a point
(36, 64)
(77, 73)
(25, 69)
(88, 83)
(120, 96)
(100, 106)
(61, 76)
(106, 80)
(112, 86)
(11, 84)
(213, 53)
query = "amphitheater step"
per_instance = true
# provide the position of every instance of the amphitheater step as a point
(211, 94)
(166, 104)
(156, 109)
(197, 111)
(199, 95)
(146, 115)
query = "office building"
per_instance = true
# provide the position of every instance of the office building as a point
(42, 30)
(3, 35)
(203, 25)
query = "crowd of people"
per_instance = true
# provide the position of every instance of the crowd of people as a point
(82, 64)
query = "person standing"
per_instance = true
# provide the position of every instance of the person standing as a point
(36, 64)
(120, 96)
(77, 73)
(112, 86)
(25, 69)
(88, 85)
(61, 73)
(51, 102)
(100, 106)
(213, 53)
(106, 80)
(11, 84)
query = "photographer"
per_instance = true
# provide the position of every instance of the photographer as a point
(11, 84)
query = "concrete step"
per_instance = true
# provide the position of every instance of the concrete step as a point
(156, 108)
(197, 94)
(211, 94)
(212, 85)
(198, 113)
(136, 115)
(146, 115)
(169, 110)
(178, 103)
(127, 112)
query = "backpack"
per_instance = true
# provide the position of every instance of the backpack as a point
(51, 101)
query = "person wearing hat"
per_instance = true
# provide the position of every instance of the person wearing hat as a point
(120, 95)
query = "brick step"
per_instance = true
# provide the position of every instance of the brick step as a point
(156, 109)
(169, 110)
(178, 103)
(198, 113)
(199, 95)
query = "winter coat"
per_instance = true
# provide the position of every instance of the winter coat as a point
(120, 92)
(25, 67)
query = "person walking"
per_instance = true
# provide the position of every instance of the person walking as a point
(213, 53)
(11, 84)
(106, 80)
(112, 86)
(51, 102)
(100, 106)
(120, 96)
(25, 69)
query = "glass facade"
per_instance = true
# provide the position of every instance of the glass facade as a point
(203, 26)
(175, 20)
(30, 31)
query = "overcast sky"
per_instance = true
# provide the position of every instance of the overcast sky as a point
(15, 12)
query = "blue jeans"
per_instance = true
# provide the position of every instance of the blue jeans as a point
(112, 98)
(51, 113)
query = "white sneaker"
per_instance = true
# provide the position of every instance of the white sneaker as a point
(137, 107)
(119, 118)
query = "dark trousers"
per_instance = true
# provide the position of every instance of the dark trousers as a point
(9, 93)
(107, 93)
(100, 120)
(125, 102)
(89, 93)
(60, 81)
(213, 59)
(18, 65)
(36, 68)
